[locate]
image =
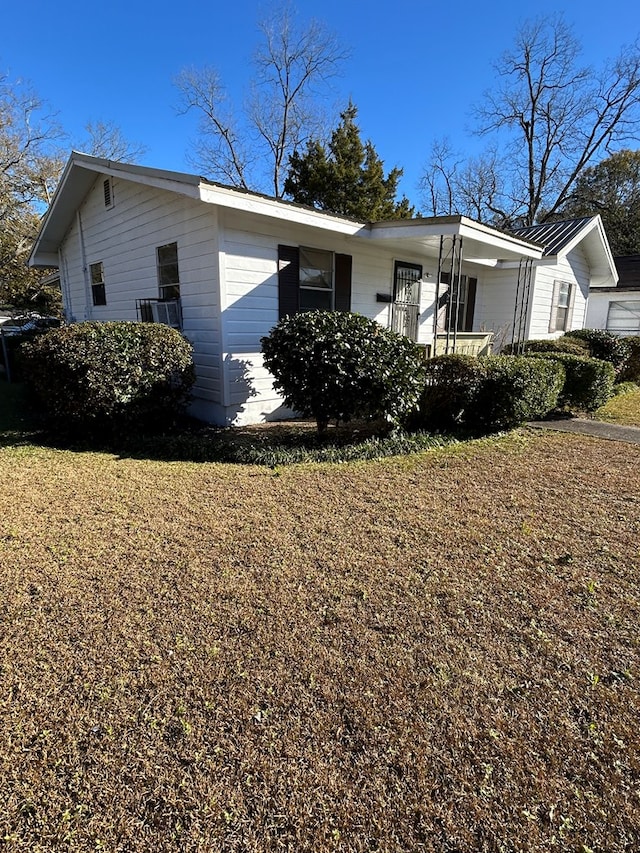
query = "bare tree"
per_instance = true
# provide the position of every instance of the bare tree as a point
(293, 67)
(105, 139)
(549, 117)
(220, 149)
(29, 154)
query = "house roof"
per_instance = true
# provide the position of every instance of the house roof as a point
(482, 244)
(629, 270)
(559, 238)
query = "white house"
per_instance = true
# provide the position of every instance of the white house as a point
(222, 264)
(617, 308)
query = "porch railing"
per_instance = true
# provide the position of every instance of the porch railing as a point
(466, 343)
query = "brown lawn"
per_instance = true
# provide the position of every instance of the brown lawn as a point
(437, 653)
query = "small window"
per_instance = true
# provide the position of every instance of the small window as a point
(561, 306)
(168, 276)
(316, 280)
(108, 192)
(98, 292)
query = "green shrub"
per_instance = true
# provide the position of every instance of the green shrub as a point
(335, 365)
(603, 345)
(515, 389)
(588, 384)
(451, 385)
(630, 370)
(575, 347)
(97, 375)
(487, 394)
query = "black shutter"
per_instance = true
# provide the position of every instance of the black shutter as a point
(472, 286)
(288, 280)
(343, 282)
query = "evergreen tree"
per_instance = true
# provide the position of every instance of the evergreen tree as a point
(346, 176)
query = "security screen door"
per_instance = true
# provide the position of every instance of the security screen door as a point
(406, 299)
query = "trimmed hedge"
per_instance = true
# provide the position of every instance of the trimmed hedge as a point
(574, 347)
(602, 345)
(487, 394)
(630, 370)
(589, 381)
(516, 389)
(451, 385)
(97, 375)
(335, 365)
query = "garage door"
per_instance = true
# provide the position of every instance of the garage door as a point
(624, 318)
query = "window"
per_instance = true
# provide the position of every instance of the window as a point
(98, 293)
(168, 278)
(624, 318)
(312, 278)
(561, 306)
(316, 280)
(462, 304)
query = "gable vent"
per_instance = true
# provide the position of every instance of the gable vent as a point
(108, 196)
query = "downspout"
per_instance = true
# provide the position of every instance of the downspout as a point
(85, 269)
(65, 287)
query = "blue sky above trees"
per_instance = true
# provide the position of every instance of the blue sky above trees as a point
(415, 70)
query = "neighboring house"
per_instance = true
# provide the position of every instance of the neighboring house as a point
(222, 264)
(617, 308)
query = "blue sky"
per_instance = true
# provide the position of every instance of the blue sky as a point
(416, 68)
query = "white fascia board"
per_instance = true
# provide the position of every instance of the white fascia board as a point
(498, 245)
(45, 260)
(276, 209)
(503, 244)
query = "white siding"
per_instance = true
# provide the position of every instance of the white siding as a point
(124, 238)
(496, 301)
(495, 304)
(249, 247)
(572, 268)
(598, 307)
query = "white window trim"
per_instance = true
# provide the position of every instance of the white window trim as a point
(555, 300)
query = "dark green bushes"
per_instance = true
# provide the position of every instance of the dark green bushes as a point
(588, 383)
(452, 383)
(630, 370)
(602, 345)
(564, 344)
(96, 376)
(334, 365)
(516, 389)
(487, 394)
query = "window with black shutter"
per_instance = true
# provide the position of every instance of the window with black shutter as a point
(312, 279)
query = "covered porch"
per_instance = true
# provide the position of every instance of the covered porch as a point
(442, 301)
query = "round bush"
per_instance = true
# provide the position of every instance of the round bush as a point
(588, 384)
(97, 375)
(515, 389)
(451, 385)
(603, 345)
(630, 370)
(335, 365)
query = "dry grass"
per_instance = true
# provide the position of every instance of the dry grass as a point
(437, 653)
(623, 409)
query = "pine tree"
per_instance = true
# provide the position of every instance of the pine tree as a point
(346, 176)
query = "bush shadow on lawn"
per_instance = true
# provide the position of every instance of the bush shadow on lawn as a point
(189, 440)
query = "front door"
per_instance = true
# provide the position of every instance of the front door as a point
(406, 299)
